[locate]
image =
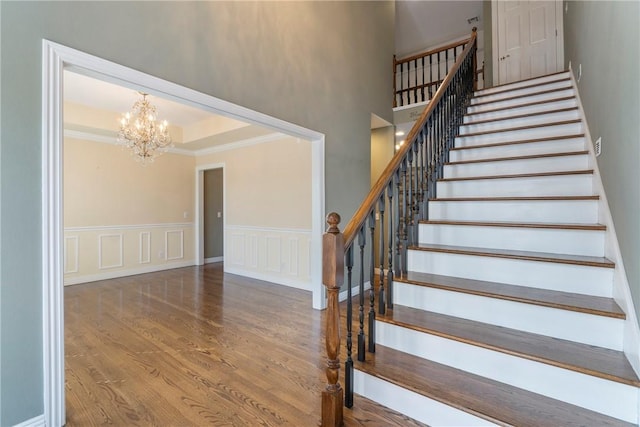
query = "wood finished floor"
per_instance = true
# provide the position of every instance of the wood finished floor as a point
(195, 347)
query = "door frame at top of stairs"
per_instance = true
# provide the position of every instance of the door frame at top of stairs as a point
(494, 39)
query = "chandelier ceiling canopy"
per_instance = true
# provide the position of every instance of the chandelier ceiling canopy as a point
(141, 132)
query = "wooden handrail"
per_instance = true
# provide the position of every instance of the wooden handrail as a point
(430, 52)
(381, 184)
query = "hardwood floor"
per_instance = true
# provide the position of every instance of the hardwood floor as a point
(194, 346)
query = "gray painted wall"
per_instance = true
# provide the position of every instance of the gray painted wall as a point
(213, 203)
(321, 65)
(488, 43)
(603, 36)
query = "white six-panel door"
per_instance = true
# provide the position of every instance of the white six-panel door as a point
(527, 35)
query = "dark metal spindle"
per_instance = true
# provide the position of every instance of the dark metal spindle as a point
(372, 291)
(397, 224)
(381, 295)
(390, 261)
(361, 242)
(348, 364)
(430, 76)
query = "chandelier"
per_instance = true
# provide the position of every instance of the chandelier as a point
(140, 132)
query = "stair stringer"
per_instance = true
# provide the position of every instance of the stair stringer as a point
(621, 289)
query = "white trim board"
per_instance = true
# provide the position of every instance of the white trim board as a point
(33, 422)
(214, 259)
(55, 59)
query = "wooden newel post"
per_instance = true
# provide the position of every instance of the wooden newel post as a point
(332, 278)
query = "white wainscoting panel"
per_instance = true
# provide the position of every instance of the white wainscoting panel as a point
(110, 251)
(174, 244)
(71, 254)
(104, 252)
(276, 255)
(145, 247)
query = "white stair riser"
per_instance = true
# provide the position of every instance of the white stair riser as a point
(524, 149)
(490, 97)
(569, 325)
(519, 135)
(554, 185)
(510, 103)
(581, 279)
(531, 109)
(416, 406)
(559, 241)
(530, 82)
(538, 119)
(519, 166)
(607, 397)
(568, 211)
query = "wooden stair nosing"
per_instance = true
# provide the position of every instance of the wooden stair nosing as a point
(529, 104)
(583, 358)
(588, 304)
(544, 92)
(521, 175)
(521, 116)
(524, 80)
(518, 255)
(515, 199)
(485, 398)
(519, 128)
(545, 225)
(528, 157)
(531, 86)
(521, 141)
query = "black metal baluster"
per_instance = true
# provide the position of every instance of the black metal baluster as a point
(422, 89)
(372, 290)
(409, 212)
(348, 364)
(390, 261)
(401, 92)
(430, 76)
(403, 221)
(416, 194)
(397, 224)
(381, 295)
(408, 83)
(446, 62)
(415, 79)
(361, 242)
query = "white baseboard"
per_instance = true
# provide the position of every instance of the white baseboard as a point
(33, 422)
(128, 272)
(213, 259)
(285, 281)
(355, 290)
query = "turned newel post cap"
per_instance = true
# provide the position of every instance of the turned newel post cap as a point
(333, 219)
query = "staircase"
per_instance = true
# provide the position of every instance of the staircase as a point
(506, 315)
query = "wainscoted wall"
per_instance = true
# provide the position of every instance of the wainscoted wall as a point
(278, 255)
(106, 252)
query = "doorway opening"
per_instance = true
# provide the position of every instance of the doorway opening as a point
(57, 59)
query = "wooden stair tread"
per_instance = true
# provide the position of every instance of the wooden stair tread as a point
(596, 361)
(519, 175)
(529, 104)
(529, 157)
(599, 306)
(521, 116)
(562, 122)
(554, 226)
(529, 86)
(497, 402)
(544, 92)
(514, 198)
(504, 85)
(521, 141)
(522, 255)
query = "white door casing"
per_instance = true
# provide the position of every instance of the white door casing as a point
(527, 39)
(56, 58)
